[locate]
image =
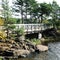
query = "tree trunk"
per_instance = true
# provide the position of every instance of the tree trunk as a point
(41, 18)
(30, 18)
(22, 14)
(7, 33)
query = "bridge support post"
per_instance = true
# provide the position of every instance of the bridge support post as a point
(39, 35)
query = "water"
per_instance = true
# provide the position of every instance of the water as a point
(54, 51)
(52, 54)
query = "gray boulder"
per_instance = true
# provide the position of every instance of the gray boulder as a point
(41, 48)
(21, 53)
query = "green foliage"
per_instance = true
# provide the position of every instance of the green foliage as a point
(18, 21)
(36, 41)
(20, 31)
(8, 21)
(30, 6)
(36, 11)
(13, 36)
(11, 26)
(47, 22)
(7, 13)
(12, 21)
(55, 19)
(45, 8)
(1, 58)
(2, 35)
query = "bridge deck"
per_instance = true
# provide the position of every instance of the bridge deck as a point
(32, 27)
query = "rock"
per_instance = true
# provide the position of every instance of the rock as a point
(9, 45)
(22, 56)
(22, 37)
(4, 48)
(30, 45)
(21, 52)
(41, 48)
(25, 47)
(11, 41)
(8, 53)
(42, 39)
(32, 50)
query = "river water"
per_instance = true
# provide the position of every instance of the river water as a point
(52, 54)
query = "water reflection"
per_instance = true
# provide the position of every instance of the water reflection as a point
(34, 56)
(54, 51)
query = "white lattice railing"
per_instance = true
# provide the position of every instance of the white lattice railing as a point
(32, 27)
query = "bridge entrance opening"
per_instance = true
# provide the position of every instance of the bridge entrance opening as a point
(31, 36)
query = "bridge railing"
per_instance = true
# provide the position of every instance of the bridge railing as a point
(32, 27)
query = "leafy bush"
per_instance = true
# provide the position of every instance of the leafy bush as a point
(3, 35)
(36, 41)
(1, 21)
(20, 31)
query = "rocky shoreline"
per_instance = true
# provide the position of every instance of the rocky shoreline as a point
(19, 49)
(23, 48)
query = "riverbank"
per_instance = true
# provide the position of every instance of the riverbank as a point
(23, 48)
(52, 54)
(50, 35)
(20, 49)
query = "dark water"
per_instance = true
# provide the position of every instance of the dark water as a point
(52, 54)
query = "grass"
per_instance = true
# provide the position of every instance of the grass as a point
(58, 31)
(36, 41)
(1, 58)
(49, 39)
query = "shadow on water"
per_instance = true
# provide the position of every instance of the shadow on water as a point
(33, 56)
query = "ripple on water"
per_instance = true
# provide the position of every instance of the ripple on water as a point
(54, 51)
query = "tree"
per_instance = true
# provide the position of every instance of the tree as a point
(26, 7)
(34, 12)
(7, 16)
(45, 9)
(55, 9)
(19, 4)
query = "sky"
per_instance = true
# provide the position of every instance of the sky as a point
(48, 1)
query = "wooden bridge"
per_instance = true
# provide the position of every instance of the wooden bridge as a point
(32, 28)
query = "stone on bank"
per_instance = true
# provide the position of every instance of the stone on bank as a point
(41, 48)
(22, 53)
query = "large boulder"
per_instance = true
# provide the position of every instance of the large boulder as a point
(21, 52)
(41, 48)
(32, 50)
(4, 48)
